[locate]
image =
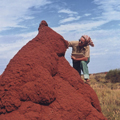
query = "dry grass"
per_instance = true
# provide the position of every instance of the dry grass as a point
(108, 95)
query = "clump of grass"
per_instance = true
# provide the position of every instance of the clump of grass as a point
(108, 95)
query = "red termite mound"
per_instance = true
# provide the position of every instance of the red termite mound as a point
(39, 84)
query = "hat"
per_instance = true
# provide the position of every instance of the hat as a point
(88, 40)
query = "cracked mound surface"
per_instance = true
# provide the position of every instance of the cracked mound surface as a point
(39, 84)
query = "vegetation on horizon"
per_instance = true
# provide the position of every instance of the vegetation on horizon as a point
(113, 76)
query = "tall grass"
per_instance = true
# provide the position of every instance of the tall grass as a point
(108, 95)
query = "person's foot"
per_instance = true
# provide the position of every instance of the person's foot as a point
(87, 81)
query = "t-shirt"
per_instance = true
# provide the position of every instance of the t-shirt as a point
(77, 51)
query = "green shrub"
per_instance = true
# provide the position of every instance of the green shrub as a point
(113, 76)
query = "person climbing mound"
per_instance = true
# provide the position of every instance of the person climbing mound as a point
(81, 55)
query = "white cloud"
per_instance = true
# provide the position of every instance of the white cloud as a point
(84, 26)
(67, 11)
(14, 11)
(72, 15)
(87, 14)
(69, 19)
(110, 9)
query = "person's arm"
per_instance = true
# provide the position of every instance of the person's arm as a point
(79, 59)
(66, 43)
(70, 43)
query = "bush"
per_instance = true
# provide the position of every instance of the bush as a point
(113, 76)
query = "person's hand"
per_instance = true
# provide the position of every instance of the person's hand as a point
(72, 57)
(85, 59)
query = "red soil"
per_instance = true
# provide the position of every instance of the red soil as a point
(39, 84)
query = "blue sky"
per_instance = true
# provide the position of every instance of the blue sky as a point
(100, 19)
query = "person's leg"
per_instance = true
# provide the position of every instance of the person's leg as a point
(84, 68)
(76, 65)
